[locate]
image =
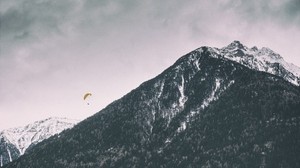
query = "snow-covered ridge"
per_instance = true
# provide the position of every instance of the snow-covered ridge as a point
(263, 59)
(23, 137)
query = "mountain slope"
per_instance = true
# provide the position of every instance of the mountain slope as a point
(203, 111)
(15, 141)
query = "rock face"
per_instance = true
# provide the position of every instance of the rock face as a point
(15, 141)
(209, 109)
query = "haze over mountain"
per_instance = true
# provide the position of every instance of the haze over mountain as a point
(229, 107)
(15, 141)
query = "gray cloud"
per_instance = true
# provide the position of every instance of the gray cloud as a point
(292, 9)
(285, 11)
(32, 17)
(50, 48)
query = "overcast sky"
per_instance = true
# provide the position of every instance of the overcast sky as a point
(54, 51)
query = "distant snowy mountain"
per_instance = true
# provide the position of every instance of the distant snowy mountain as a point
(263, 59)
(15, 141)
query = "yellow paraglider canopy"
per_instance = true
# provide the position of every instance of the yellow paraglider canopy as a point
(87, 95)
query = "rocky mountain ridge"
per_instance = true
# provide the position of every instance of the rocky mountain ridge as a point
(263, 59)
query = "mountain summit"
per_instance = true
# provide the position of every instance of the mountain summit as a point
(263, 59)
(15, 141)
(236, 45)
(228, 107)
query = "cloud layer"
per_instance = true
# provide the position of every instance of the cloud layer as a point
(52, 52)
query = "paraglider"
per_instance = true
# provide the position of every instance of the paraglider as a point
(86, 96)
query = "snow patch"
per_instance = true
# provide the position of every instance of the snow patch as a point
(197, 64)
(200, 50)
(8, 151)
(182, 98)
(162, 84)
(213, 95)
(182, 126)
(214, 52)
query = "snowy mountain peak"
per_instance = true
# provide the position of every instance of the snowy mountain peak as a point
(263, 59)
(235, 45)
(254, 48)
(23, 137)
(260, 59)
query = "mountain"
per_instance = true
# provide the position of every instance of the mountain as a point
(15, 141)
(206, 110)
(263, 59)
